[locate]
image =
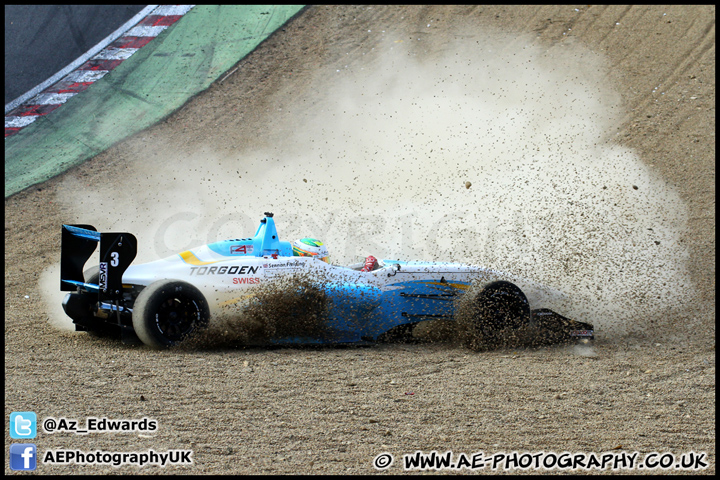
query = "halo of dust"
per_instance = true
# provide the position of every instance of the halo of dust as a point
(391, 157)
(373, 155)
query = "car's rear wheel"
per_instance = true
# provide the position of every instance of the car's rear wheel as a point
(98, 327)
(168, 311)
(92, 274)
(495, 316)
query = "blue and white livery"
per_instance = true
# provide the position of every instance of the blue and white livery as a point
(164, 301)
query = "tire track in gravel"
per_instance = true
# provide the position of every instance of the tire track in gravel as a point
(701, 44)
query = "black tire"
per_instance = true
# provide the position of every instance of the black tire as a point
(92, 274)
(503, 305)
(167, 311)
(494, 316)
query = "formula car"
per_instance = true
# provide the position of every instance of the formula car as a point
(164, 302)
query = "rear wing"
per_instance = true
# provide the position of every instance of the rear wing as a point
(117, 252)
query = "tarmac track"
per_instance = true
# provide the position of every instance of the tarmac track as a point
(40, 40)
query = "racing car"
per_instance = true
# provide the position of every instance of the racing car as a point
(164, 302)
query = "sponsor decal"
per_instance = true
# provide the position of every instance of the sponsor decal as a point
(283, 268)
(224, 270)
(288, 264)
(241, 249)
(241, 280)
(102, 282)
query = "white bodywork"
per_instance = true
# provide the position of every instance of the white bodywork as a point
(225, 280)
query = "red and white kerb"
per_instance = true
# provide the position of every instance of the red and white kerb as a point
(95, 68)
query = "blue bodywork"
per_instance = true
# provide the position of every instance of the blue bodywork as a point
(360, 313)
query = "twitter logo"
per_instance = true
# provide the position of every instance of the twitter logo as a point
(23, 425)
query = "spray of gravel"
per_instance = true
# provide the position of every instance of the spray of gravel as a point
(496, 151)
(291, 307)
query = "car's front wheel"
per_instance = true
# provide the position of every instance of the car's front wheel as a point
(495, 316)
(167, 311)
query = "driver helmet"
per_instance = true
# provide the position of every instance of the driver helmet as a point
(310, 247)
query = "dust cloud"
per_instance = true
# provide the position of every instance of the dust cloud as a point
(374, 158)
(49, 284)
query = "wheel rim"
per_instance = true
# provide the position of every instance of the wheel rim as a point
(176, 318)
